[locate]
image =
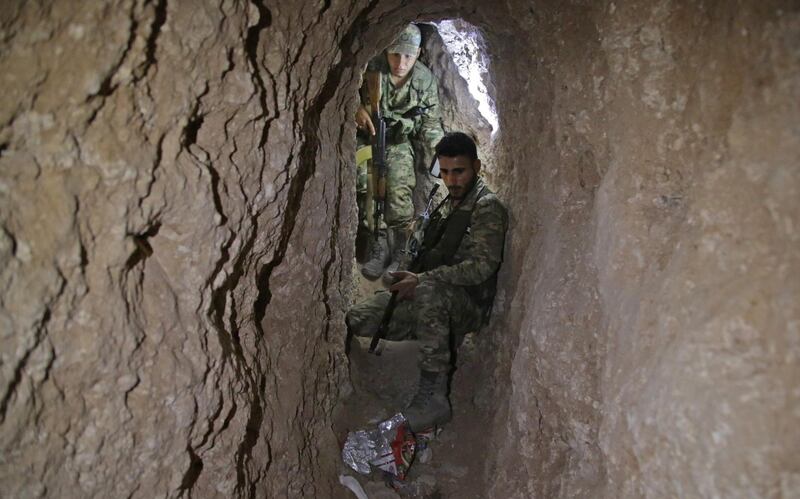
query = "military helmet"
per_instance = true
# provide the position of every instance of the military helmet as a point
(407, 42)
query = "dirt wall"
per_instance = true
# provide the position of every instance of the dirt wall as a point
(171, 191)
(649, 347)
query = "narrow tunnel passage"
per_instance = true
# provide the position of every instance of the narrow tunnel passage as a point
(155, 157)
(453, 51)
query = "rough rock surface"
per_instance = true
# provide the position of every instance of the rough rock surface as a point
(649, 345)
(163, 168)
(176, 246)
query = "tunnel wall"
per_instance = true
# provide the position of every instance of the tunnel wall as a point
(696, 250)
(649, 346)
(546, 338)
(175, 246)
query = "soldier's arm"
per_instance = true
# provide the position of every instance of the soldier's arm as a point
(430, 130)
(363, 91)
(364, 120)
(363, 115)
(488, 231)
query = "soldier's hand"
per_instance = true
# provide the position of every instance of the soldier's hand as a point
(405, 284)
(364, 121)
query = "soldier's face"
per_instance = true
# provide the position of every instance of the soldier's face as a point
(401, 64)
(458, 173)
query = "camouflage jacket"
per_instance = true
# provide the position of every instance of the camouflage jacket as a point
(419, 91)
(480, 252)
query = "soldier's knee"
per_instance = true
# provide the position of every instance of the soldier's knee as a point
(436, 297)
(431, 291)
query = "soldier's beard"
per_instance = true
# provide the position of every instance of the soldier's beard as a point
(455, 191)
(462, 190)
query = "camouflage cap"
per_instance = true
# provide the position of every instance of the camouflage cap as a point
(408, 42)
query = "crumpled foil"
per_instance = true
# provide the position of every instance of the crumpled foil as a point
(359, 449)
(389, 427)
(364, 446)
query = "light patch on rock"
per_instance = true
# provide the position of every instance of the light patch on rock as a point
(464, 42)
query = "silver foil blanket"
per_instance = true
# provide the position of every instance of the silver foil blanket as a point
(374, 447)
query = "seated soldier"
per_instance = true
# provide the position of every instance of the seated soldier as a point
(453, 282)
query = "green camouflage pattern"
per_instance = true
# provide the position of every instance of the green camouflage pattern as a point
(444, 301)
(480, 253)
(400, 182)
(427, 318)
(421, 90)
(407, 42)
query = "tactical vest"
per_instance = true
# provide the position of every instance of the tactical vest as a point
(440, 244)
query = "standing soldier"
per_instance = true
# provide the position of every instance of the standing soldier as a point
(409, 105)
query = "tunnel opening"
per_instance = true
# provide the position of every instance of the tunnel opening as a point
(466, 46)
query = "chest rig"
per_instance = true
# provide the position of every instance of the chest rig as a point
(440, 243)
(444, 236)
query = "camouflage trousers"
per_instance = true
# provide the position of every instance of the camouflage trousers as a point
(436, 311)
(400, 182)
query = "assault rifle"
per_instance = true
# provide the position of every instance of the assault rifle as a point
(378, 148)
(415, 251)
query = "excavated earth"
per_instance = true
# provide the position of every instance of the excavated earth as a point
(177, 225)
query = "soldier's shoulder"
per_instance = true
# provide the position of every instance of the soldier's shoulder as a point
(423, 70)
(493, 201)
(423, 76)
(490, 202)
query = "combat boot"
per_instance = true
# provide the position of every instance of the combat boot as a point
(398, 255)
(379, 258)
(430, 406)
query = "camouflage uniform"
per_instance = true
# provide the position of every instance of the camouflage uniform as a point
(452, 297)
(421, 91)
